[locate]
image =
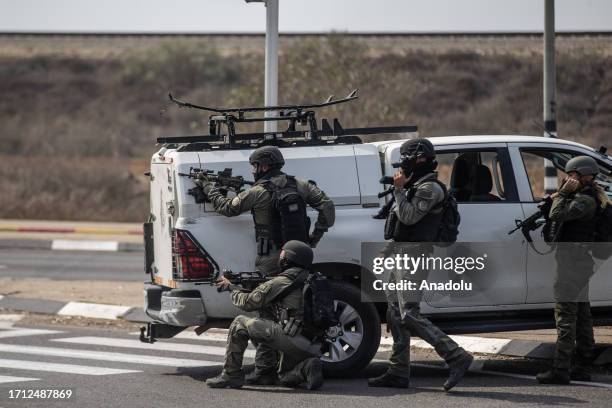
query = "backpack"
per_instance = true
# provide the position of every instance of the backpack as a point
(603, 233)
(318, 301)
(449, 224)
(319, 313)
(289, 219)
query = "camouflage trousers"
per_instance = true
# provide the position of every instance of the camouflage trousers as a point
(404, 319)
(574, 336)
(294, 351)
(266, 358)
(414, 323)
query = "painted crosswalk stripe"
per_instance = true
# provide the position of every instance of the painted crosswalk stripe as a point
(105, 356)
(137, 344)
(8, 379)
(61, 368)
(25, 332)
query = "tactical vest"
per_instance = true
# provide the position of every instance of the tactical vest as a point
(289, 301)
(426, 230)
(287, 216)
(580, 230)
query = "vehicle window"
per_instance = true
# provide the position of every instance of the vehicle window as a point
(473, 176)
(534, 165)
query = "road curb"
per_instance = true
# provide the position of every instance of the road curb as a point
(71, 245)
(80, 309)
(71, 230)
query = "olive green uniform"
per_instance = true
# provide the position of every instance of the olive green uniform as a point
(295, 350)
(403, 313)
(574, 269)
(258, 200)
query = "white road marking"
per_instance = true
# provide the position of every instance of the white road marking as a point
(470, 343)
(13, 318)
(106, 356)
(97, 311)
(137, 344)
(61, 368)
(8, 320)
(7, 379)
(25, 332)
(73, 245)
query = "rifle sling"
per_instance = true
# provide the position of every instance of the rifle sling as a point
(297, 283)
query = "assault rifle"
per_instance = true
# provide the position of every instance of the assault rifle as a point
(383, 213)
(535, 221)
(222, 179)
(248, 280)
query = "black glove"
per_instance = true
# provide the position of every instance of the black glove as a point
(315, 237)
(204, 183)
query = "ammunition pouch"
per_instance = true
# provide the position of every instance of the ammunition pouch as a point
(292, 326)
(264, 243)
(551, 231)
(263, 246)
(390, 225)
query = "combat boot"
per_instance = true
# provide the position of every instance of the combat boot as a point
(553, 376)
(458, 368)
(223, 381)
(258, 378)
(389, 380)
(578, 374)
(313, 373)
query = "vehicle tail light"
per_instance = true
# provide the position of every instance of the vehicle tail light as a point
(190, 262)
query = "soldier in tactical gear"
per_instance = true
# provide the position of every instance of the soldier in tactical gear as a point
(418, 211)
(575, 207)
(282, 298)
(273, 229)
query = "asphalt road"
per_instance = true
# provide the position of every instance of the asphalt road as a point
(106, 367)
(67, 265)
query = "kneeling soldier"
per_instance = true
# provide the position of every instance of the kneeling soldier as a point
(282, 297)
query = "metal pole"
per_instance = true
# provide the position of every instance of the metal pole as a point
(550, 115)
(271, 68)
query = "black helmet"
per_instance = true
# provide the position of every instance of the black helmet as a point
(419, 147)
(298, 253)
(270, 155)
(412, 150)
(584, 165)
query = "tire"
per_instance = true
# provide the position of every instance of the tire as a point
(359, 318)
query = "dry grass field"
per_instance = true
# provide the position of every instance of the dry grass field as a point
(79, 115)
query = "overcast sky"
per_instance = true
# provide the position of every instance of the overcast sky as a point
(300, 15)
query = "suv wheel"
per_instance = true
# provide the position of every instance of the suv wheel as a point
(351, 345)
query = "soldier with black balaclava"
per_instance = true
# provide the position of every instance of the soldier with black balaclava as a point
(413, 224)
(281, 298)
(278, 203)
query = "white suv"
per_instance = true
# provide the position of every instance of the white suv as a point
(496, 179)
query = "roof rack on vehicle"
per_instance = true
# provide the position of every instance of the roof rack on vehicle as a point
(303, 115)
